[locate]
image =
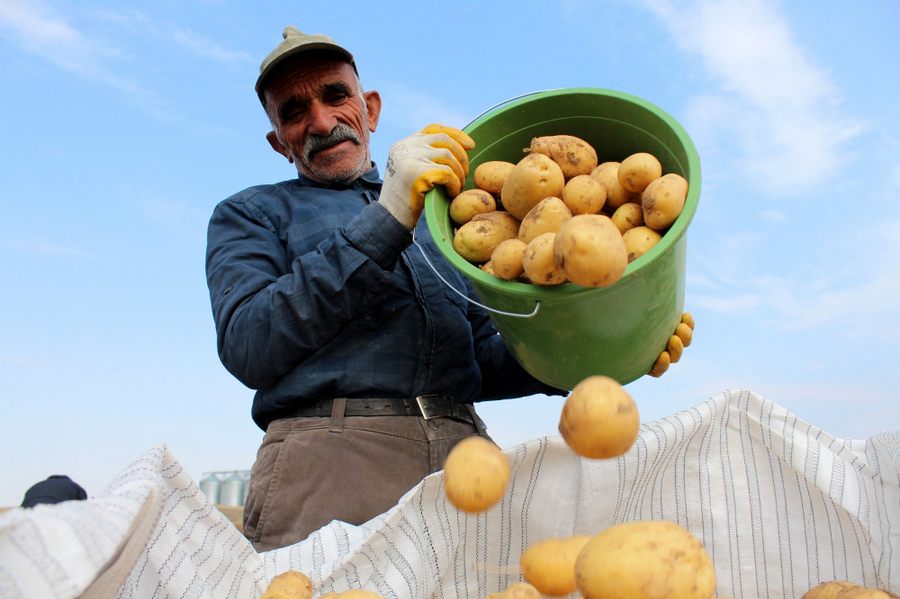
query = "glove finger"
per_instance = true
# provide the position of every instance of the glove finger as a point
(458, 153)
(426, 182)
(442, 176)
(459, 136)
(460, 169)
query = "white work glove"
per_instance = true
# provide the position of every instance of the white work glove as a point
(436, 155)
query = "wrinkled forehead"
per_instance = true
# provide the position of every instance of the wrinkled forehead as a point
(308, 72)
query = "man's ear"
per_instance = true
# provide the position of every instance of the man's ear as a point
(373, 108)
(278, 146)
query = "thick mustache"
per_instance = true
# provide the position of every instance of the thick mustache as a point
(340, 133)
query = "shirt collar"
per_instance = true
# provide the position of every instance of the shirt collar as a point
(371, 177)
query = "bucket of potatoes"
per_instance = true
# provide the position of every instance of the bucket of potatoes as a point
(572, 230)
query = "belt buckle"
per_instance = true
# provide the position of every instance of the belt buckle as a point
(422, 402)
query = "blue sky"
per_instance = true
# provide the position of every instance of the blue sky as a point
(123, 123)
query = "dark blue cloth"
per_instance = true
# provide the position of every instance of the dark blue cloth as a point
(317, 293)
(54, 489)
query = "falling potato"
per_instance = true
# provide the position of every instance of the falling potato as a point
(599, 418)
(475, 474)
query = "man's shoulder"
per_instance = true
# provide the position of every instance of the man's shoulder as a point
(263, 193)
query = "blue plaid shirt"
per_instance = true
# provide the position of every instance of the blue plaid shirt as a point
(318, 293)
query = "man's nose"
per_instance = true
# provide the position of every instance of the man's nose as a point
(321, 119)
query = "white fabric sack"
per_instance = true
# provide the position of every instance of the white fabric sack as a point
(779, 504)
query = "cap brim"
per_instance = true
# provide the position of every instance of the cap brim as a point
(310, 47)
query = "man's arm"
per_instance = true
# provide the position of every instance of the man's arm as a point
(270, 313)
(502, 377)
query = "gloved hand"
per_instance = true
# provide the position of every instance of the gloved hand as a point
(436, 155)
(680, 339)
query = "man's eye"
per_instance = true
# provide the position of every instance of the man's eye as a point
(292, 114)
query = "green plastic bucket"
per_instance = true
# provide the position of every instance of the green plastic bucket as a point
(565, 333)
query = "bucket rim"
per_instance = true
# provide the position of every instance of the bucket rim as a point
(672, 236)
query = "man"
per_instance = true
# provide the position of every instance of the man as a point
(56, 488)
(365, 364)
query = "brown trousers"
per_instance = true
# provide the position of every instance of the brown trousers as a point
(310, 471)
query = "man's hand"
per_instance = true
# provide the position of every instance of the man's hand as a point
(436, 155)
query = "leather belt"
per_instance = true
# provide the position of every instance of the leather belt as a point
(430, 406)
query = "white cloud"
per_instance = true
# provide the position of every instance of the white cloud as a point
(853, 289)
(46, 248)
(204, 46)
(39, 31)
(775, 216)
(775, 103)
(410, 110)
(179, 217)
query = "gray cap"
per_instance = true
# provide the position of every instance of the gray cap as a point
(295, 42)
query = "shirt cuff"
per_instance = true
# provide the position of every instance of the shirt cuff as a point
(378, 235)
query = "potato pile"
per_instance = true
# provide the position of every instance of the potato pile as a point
(558, 216)
(650, 559)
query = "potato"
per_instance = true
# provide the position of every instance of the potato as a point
(663, 200)
(843, 589)
(488, 267)
(549, 565)
(862, 592)
(532, 179)
(469, 203)
(506, 260)
(584, 194)
(638, 170)
(590, 250)
(574, 155)
(627, 216)
(616, 195)
(651, 559)
(290, 584)
(475, 474)
(539, 261)
(517, 590)
(546, 217)
(639, 240)
(828, 590)
(476, 240)
(599, 418)
(359, 594)
(490, 175)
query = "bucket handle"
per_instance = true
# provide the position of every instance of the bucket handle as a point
(537, 304)
(513, 99)
(532, 314)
